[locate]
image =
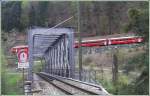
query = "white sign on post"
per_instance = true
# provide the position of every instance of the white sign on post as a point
(23, 58)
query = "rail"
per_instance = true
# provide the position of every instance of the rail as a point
(82, 87)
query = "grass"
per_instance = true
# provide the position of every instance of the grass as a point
(115, 88)
(10, 82)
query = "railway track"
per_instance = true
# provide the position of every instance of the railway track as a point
(73, 87)
(41, 87)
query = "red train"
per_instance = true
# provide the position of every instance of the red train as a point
(110, 41)
(99, 42)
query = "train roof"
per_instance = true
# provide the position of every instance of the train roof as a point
(92, 40)
(124, 37)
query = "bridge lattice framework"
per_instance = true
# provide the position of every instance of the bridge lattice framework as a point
(55, 46)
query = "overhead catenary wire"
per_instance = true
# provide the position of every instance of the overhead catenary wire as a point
(60, 23)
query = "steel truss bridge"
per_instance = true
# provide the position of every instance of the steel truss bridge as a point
(56, 47)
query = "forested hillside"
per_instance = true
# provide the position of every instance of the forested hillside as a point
(98, 18)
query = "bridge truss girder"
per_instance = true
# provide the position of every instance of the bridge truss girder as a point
(55, 45)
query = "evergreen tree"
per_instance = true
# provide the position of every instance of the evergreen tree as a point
(42, 13)
(24, 14)
(11, 13)
(32, 17)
